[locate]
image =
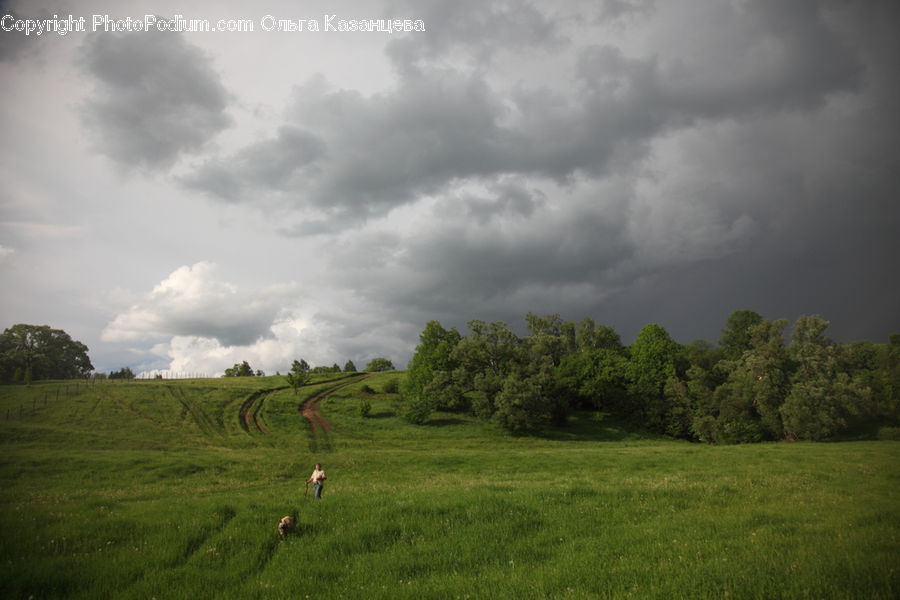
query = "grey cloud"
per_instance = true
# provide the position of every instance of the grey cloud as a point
(653, 185)
(442, 125)
(244, 330)
(285, 162)
(622, 9)
(505, 199)
(370, 154)
(753, 57)
(458, 267)
(14, 44)
(156, 97)
(474, 30)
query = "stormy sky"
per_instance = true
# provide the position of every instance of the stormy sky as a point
(185, 200)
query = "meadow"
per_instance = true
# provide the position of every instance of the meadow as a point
(173, 489)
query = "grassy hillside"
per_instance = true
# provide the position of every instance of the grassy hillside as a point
(173, 489)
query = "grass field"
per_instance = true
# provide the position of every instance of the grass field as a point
(173, 489)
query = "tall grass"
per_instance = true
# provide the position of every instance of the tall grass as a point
(154, 489)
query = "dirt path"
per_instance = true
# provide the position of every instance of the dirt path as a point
(319, 426)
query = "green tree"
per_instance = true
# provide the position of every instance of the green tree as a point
(123, 373)
(379, 364)
(428, 384)
(652, 364)
(486, 357)
(736, 336)
(889, 376)
(349, 367)
(38, 352)
(823, 399)
(747, 405)
(545, 337)
(594, 368)
(529, 399)
(242, 369)
(299, 375)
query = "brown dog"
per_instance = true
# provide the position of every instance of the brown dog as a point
(287, 525)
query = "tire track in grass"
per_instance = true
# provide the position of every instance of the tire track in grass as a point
(198, 415)
(319, 426)
(222, 516)
(248, 414)
(137, 411)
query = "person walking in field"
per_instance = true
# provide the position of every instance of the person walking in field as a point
(317, 477)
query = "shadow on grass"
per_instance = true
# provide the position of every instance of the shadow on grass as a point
(382, 414)
(588, 426)
(445, 422)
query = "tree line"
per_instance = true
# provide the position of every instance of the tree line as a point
(755, 385)
(36, 352)
(300, 369)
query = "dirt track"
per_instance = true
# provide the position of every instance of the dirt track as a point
(320, 426)
(249, 411)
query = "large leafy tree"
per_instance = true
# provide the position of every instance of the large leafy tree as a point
(653, 358)
(428, 384)
(526, 402)
(486, 357)
(747, 405)
(736, 337)
(35, 352)
(824, 398)
(594, 368)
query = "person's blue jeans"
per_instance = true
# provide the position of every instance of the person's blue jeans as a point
(318, 488)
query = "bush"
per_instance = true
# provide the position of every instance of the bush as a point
(391, 386)
(889, 433)
(365, 407)
(379, 364)
(366, 389)
(417, 411)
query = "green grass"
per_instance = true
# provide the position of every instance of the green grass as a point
(156, 489)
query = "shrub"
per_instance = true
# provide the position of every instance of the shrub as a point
(889, 433)
(391, 386)
(365, 407)
(417, 411)
(366, 389)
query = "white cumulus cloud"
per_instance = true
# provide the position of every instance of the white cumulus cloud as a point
(193, 302)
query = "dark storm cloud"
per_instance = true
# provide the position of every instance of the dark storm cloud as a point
(441, 125)
(156, 97)
(743, 158)
(778, 192)
(371, 154)
(463, 261)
